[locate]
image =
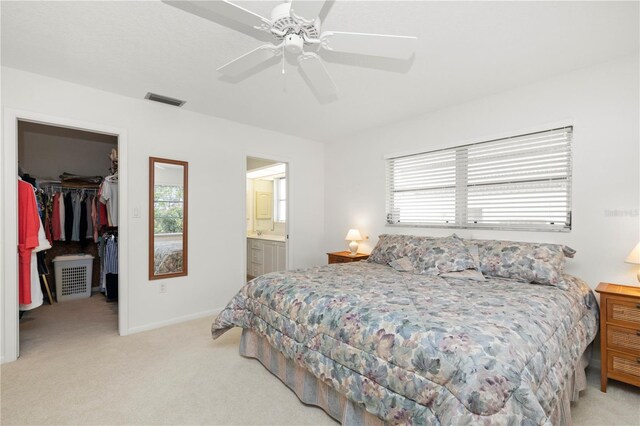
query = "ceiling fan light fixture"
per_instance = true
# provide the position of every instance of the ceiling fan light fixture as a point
(293, 43)
(295, 24)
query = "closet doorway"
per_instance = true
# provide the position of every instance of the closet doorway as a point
(267, 216)
(68, 170)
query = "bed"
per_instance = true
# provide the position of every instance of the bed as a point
(371, 344)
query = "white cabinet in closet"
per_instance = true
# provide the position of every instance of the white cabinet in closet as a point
(264, 256)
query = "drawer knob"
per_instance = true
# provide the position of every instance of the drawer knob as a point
(638, 306)
(638, 333)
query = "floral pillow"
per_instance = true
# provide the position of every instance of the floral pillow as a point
(392, 247)
(529, 262)
(439, 255)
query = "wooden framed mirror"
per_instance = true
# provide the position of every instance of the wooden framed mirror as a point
(168, 218)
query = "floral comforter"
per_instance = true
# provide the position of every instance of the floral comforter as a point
(422, 349)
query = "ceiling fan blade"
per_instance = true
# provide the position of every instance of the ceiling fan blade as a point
(249, 60)
(316, 74)
(306, 9)
(212, 9)
(392, 46)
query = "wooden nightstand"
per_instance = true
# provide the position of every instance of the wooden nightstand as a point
(619, 333)
(345, 257)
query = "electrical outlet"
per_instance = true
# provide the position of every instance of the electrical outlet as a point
(136, 212)
(163, 288)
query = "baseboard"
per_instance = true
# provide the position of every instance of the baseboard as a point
(172, 321)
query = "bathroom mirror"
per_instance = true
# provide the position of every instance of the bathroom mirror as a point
(168, 201)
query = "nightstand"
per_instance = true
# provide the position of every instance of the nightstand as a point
(619, 333)
(345, 257)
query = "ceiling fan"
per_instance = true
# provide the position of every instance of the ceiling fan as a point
(295, 28)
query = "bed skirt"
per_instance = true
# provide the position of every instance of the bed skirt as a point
(313, 391)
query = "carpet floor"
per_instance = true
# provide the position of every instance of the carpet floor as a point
(75, 369)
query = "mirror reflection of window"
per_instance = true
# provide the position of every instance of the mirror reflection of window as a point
(280, 199)
(168, 231)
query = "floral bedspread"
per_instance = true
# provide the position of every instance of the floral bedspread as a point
(423, 349)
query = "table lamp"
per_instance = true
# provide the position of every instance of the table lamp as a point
(354, 236)
(634, 257)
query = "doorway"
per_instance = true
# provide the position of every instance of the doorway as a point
(12, 151)
(267, 216)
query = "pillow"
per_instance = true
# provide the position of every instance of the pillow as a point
(467, 274)
(529, 262)
(391, 247)
(439, 255)
(402, 265)
(474, 251)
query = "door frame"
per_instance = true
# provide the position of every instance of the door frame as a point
(288, 253)
(9, 221)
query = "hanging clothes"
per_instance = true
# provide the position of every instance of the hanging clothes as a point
(48, 215)
(88, 202)
(109, 196)
(56, 220)
(83, 220)
(94, 218)
(109, 273)
(108, 252)
(61, 208)
(76, 200)
(28, 227)
(68, 216)
(36, 291)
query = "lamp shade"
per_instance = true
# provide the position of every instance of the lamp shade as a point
(353, 235)
(634, 256)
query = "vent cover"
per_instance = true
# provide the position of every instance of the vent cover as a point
(164, 99)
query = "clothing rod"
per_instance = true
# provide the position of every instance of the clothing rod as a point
(60, 187)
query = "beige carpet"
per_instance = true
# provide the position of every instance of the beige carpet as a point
(75, 369)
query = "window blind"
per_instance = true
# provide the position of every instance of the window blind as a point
(520, 182)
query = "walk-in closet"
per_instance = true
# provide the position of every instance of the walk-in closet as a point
(67, 232)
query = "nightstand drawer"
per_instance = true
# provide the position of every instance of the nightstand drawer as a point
(623, 312)
(623, 365)
(623, 339)
(338, 259)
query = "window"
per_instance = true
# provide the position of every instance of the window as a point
(168, 209)
(521, 182)
(280, 199)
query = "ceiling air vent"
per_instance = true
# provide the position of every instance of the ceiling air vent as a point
(164, 99)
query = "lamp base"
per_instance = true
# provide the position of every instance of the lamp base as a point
(353, 246)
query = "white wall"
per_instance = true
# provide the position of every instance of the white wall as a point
(603, 104)
(216, 150)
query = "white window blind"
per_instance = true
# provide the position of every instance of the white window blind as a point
(520, 182)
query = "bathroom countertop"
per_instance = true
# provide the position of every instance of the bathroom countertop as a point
(279, 238)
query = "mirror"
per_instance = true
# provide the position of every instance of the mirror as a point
(168, 185)
(263, 205)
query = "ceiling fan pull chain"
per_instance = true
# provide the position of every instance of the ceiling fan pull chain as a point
(284, 77)
(283, 58)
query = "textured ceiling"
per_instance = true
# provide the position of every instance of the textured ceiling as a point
(465, 50)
